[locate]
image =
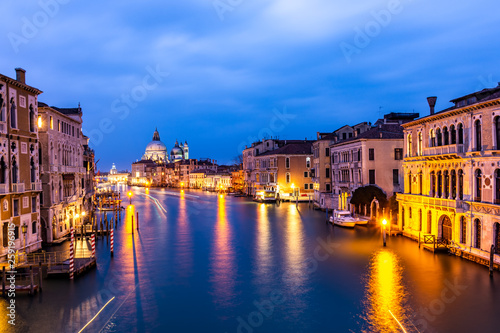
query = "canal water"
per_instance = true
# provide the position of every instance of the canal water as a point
(201, 262)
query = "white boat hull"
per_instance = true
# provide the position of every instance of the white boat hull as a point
(340, 223)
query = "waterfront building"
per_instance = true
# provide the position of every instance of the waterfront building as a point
(182, 168)
(238, 180)
(452, 175)
(62, 170)
(373, 157)
(142, 172)
(197, 177)
(114, 176)
(20, 184)
(89, 166)
(286, 171)
(321, 171)
(249, 156)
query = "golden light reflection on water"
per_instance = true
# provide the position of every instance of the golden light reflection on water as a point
(264, 254)
(223, 257)
(294, 254)
(385, 294)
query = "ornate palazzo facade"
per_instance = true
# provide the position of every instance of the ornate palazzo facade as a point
(452, 175)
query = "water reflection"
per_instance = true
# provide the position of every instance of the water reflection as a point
(294, 250)
(264, 253)
(222, 259)
(184, 259)
(385, 311)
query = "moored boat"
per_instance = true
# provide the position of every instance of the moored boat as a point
(343, 218)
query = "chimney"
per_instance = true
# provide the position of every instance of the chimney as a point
(355, 134)
(432, 103)
(21, 75)
(381, 135)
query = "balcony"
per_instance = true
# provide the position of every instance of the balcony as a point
(18, 188)
(442, 151)
(3, 188)
(36, 186)
(71, 169)
(53, 168)
(421, 199)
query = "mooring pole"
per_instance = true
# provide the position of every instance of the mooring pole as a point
(40, 277)
(137, 218)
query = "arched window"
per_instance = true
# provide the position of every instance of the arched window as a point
(453, 184)
(429, 222)
(403, 217)
(32, 118)
(497, 132)
(478, 185)
(477, 229)
(3, 171)
(13, 114)
(433, 184)
(32, 170)
(409, 146)
(420, 151)
(453, 135)
(2, 117)
(420, 183)
(33, 228)
(14, 171)
(497, 186)
(446, 184)
(446, 139)
(463, 230)
(432, 137)
(419, 220)
(477, 130)
(439, 137)
(460, 134)
(439, 185)
(409, 182)
(460, 184)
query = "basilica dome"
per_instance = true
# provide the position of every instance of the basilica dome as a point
(156, 150)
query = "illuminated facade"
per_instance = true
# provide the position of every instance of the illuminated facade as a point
(452, 175)
(286, 171)
(20, 184)
(63, 173)
(322, 181)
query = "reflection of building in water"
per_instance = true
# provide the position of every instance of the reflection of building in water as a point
(384, 307)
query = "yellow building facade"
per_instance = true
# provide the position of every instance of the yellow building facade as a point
(452, 176)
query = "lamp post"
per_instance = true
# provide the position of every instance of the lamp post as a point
(24, 229)
(384, 223)
(130, 196)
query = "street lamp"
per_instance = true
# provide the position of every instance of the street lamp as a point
(384, 223)
(130, 196)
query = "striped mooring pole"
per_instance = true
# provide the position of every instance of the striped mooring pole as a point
(112, 242)
(92, 243)
(72, 255)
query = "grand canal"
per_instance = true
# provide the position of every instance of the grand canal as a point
(201, 262)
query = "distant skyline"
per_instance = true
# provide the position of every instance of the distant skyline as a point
(221, 74)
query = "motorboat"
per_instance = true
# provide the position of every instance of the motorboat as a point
(265, 196)
(343, 218)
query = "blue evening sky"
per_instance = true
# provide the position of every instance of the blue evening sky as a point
(221, 74)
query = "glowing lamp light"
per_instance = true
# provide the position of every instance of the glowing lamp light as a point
(83, 213)
(24, 228)
(129, 194)
(384, 222)
(77, 216)
(293, 186)
(39, 121)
